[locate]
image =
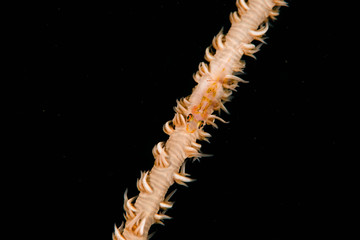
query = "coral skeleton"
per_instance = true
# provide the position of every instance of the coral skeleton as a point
(215, 83)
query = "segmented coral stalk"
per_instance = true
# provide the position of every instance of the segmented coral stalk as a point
(216, 82)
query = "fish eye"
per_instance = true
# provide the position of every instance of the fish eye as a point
(200, 124)
(189, 117)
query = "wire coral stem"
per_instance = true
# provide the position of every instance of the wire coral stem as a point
(216, 82)
(160, 179)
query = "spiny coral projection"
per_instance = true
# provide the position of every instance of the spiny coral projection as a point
(215, 83)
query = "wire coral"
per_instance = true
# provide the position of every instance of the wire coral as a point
(216, 81)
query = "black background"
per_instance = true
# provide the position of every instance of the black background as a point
(95, 82)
